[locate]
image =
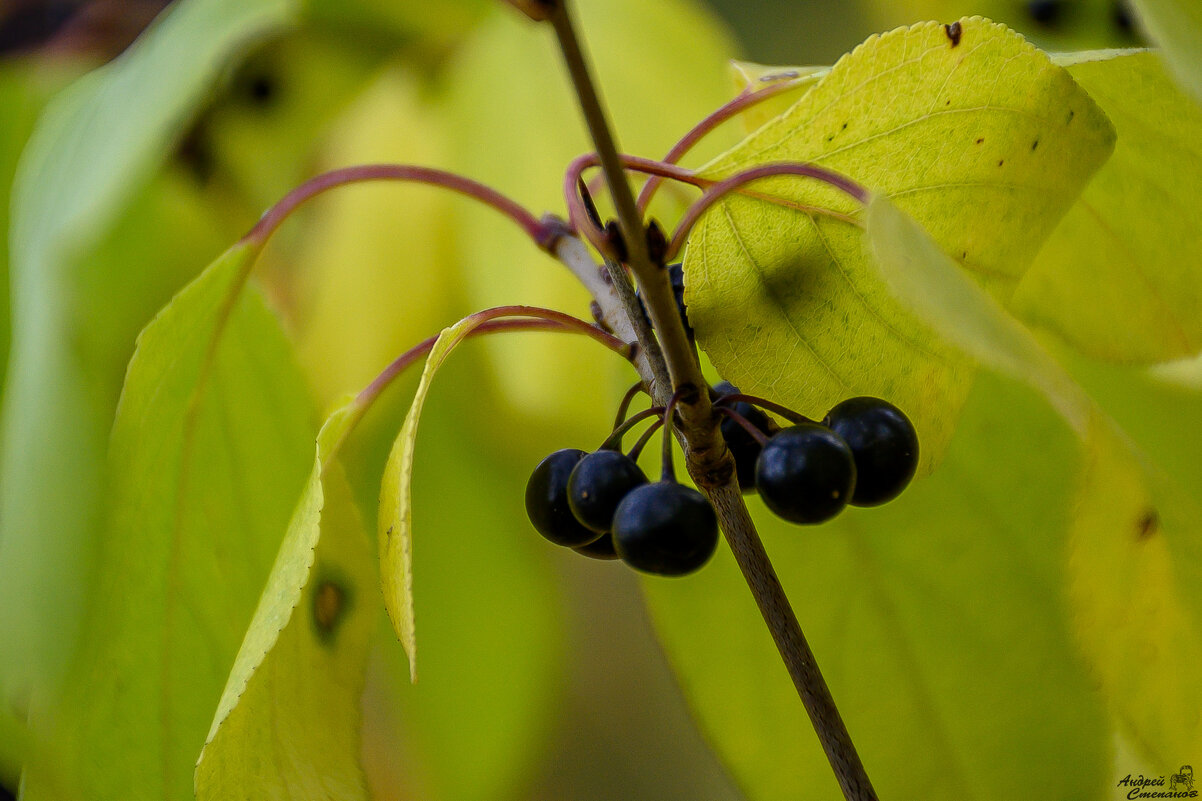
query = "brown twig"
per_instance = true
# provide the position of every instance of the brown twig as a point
(708, 461)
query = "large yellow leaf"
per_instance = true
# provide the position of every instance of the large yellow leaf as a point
(972, 131)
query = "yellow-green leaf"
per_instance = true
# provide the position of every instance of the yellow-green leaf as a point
(939, 622)
(1132, 533)
(395, 520)
(932, 285)
(1120, 277)
(489, 592)
(1176, 25)
(1126, 568)
(289, 720)
(751, 77)
(973, 132)
(206, 459)
(90, 153)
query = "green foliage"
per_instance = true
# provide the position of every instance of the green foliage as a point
(205, 460)
(288, 723)
(1032, 601)
(1176, 25)
(945, 139)
(938, 620)
(1109, 259)
(92, 149)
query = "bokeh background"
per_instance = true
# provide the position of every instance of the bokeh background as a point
(542, 677)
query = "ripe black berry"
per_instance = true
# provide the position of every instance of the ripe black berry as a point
(600, 548)
(883, 443)
(598, 484)
(743, 447)
(665, 528)
(806, 473)
(547, 500)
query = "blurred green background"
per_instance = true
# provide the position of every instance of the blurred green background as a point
(588, 708)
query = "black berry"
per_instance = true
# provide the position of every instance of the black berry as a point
(547, 500)
(806, 473)
(883, 443)
(1045, 12)
(666, 529)
(600, 548)
(743, 447)
(597, 485)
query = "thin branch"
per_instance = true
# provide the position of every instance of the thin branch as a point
(790, 642)
(542, 234)
(573, 254)
(744, 101)
(538, 319)
(709, 463)
(679, 356)
(580, 220)
(717, 191)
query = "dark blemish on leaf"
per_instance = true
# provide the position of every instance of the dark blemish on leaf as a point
(953, 32)
(844, 126)
(979, 141)
(1034, 145)
(330, 605)
(1071, 114)
(1147, 526)
(388, 533)
(829, 138)
(949, 102)
(964, 255)
(1000, 162)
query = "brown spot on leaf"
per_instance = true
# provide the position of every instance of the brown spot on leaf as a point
(1034, 145)
(1000, 162)
(329, 607)
(953, 32)
(1147, 526)
(1071, 114)
(980, 140)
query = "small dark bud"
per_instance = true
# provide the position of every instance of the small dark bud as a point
(590, 207)
(657, 243)
(614, 235)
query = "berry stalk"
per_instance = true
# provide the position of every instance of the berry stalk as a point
(745, 100)
(786, 632)
(708, 460)
(543, 233)
(678, 355)
(521, 318)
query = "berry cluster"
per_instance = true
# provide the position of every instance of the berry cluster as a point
(864, 452)
(600, 504)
